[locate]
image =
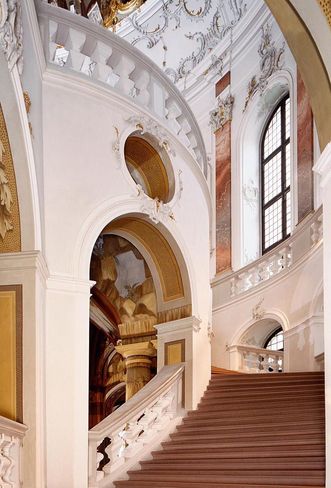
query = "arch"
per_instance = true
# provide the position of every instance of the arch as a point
(166, 265)
(125, 207)
(17, 126)
(275, 316)
(309, 61)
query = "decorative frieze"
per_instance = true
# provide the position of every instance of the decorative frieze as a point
(222, 114)
(271, 60)
(11, 33)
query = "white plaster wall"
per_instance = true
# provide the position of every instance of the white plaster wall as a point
(86, 186)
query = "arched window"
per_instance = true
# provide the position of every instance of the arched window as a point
(275, 341)
(276, 177)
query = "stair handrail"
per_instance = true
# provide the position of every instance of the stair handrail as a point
(289, 253)
(261, 362)
(127, 431)
(139, 78)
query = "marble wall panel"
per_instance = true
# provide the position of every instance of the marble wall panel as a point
(305, 151)
(223, 198)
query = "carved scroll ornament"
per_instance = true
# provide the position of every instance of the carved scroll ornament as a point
(11, 33)
(271, 60)
(6, 199)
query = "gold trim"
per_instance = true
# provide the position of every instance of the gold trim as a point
(140, 154)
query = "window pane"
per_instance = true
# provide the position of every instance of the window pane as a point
(273, 223)
(273, 135)
(288, 164)
(276, 343)
(288, 213)
(287, 118)
(272, 177)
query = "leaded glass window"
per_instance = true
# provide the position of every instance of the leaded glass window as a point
(276, 177)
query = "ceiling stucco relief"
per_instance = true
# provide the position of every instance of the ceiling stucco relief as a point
(179, 34)
(271, 60)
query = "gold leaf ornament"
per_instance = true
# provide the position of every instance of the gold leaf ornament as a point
(6, 199)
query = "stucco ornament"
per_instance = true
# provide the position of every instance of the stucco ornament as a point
(11, 33)
(147, 125)
(6, 199)
(222, 114)
(258, 312)
(271, 60)
(157, 210)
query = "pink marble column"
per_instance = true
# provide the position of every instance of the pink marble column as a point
(305, 151)
(223, 198)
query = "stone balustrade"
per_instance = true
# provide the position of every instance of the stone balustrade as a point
(251, 359)
(124, 436)
(277, 261)
(11, 436)
(74, 43)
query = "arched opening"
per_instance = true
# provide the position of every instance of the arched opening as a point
(259, 348)
(140, 281)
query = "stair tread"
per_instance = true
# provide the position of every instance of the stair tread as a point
(249, 431)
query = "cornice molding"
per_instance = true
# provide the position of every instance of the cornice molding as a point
(187, 324)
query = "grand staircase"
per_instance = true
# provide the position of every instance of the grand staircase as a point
(249, 431)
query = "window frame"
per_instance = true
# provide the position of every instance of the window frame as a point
(285, 189)
(271, 336)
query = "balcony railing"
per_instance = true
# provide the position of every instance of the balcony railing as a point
(73, 42)
(123, 436)
(272, 264)
(11, 436)
(252, 359)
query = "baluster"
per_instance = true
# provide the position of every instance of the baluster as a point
(233, 286)
(123, 69)
(158, 98)
(7, 462)
(115, 452)
(263, 271)
(141, 79)
(75, 43)
(255, 276)
(173, 112)
(100, 56)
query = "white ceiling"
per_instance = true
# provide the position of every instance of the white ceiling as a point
(179, 34)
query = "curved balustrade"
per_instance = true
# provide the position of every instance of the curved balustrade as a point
(277, 261)
(11, 436)
(125, 433)
(251, 359)
(73, 42)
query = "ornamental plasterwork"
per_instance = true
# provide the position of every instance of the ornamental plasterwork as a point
(11, 33)
(250, 193)
(222, 114)
(147, 125)
(257, 311)
(196, 26)
(271, 60)
(6, 199)
(157, 210)
(210, 332)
